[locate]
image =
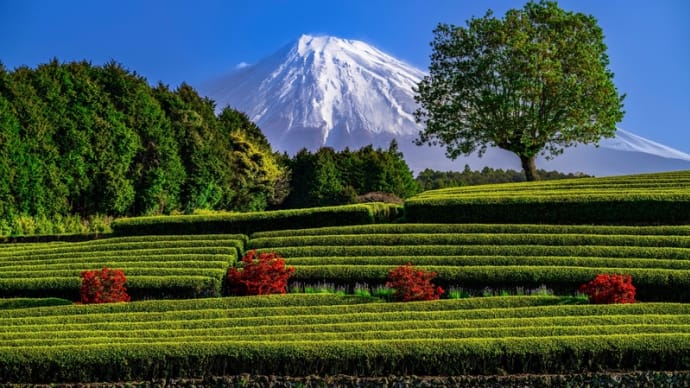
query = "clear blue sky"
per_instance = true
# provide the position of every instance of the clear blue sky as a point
(193, 41)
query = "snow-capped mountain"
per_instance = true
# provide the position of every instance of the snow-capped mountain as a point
(326, 91)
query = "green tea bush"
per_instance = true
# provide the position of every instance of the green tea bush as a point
(315, 334)
(248, 223)
(640, 199)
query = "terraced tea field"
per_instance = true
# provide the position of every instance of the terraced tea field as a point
(659, 198)
(483, 255)
(328, 334)
(184, 265)
(558, 234)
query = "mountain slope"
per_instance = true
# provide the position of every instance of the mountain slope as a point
(325, 91)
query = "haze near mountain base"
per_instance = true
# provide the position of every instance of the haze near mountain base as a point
(326, 91)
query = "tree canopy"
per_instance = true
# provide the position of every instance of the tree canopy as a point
(82, 139)
(329, 177)
(534, 82)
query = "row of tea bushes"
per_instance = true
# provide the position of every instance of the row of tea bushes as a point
(561, 257)
(654, 230)
(301, 335)
(660, 198)
(155, 266)
(246, 223)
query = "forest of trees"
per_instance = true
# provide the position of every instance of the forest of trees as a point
(83, 139)
(430, 179)
(329, 177)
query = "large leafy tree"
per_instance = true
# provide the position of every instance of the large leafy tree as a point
(533, 82)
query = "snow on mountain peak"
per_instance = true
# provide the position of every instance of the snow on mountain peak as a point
(325, 91)
(309, 43)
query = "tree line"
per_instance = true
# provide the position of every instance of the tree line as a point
(430, 179)
(84, 139)
(76, 138)
(329, 177)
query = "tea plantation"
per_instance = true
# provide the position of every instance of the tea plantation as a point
(180, 327)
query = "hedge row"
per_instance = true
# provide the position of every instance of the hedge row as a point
(155, 266)
(471, 256)
(169, 261)
(301, 335)
(470, 356)
(371, 335)
(248, 223)
(44, 238)
(643, 211)
(491, 328)
(483, 250)
(230, 251)
(659, 230)
(468, 261)
(113, 245)
(24, 303)
(353, 318)
(472, 239)
(248, 328)
(293, 307)
(643, 199)
(640, 183)
(237, 240)
(138, 287)
(244, 305)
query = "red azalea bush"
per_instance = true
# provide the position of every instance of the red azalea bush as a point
(610, 288)
(264, 275)
(104, 286)
(411, 284)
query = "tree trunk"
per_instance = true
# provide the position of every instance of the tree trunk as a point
(529, 167)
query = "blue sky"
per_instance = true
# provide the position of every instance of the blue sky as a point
(194, 41)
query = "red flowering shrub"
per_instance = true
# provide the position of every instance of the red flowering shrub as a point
(104, 286)
(411, 284)
(265, 275)
(610, 288)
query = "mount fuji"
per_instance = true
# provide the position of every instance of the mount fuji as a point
(326, 91)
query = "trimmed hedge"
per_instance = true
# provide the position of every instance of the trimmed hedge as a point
(476, 256)
(612, 211)
(662, 198)
(657, 230)
(483, 250)
(26, 303)
(472, 239)
(471, 356)
(303, 335)
(44, 238)
(248, 223)
(138, 287)
(469, 261)
(155, 266)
